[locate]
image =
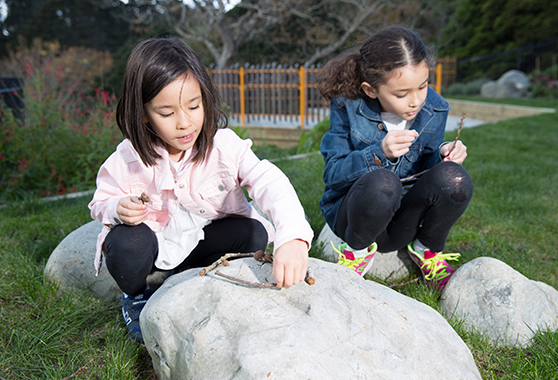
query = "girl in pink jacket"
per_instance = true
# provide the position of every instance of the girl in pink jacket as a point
(178, 152)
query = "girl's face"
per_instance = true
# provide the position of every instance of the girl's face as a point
(176, 115)
(404, 92)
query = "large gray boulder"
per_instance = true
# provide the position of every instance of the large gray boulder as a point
(388, 266)
(70, 265)
(512, 84)
(342, 327)
(495, 299)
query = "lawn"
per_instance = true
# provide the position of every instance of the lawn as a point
(513, 217)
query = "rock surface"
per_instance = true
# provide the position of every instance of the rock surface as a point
(512, 84)
(491, 297)
(389, 266)
(71, 267)
(342, 327)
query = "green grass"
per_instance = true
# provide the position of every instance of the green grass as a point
(513, 217)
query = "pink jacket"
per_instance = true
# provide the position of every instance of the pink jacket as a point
(211, 189)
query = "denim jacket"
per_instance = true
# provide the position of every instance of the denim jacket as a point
(353, 145)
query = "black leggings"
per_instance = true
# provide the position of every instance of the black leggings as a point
(131, 250)
(377, 208)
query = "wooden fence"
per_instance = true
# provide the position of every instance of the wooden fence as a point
(276, 95)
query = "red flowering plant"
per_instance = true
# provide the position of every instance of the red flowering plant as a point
(61, 136)
(544, 86)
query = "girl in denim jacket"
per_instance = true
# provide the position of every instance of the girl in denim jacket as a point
(170, 197)
(391, 181)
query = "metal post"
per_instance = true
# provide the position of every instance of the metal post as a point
(439, 78)
(302, 99)
(242, 100)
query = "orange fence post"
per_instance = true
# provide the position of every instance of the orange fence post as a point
(439, 78)
(242, 95)
(302, 95)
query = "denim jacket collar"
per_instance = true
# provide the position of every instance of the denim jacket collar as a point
(370, 108)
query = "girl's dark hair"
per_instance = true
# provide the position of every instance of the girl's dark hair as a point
(152, 65)
(389, 49)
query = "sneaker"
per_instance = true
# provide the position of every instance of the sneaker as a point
(347, 258)
(434, 267)
(131, 309)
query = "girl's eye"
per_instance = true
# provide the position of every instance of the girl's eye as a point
(194, 108)
(400, 96)
(166, 115)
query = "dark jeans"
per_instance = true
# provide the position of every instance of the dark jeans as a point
(131, 250)
(379, 209)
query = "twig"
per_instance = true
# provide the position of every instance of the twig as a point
(403, 283)
(144, 198)
(451, 150)
(259, 256)
(458, 132)
(1, 378)
(243, 282)
(209, 268)
(83, 368)
(413, 176)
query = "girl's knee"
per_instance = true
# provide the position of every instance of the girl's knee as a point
(456, 180)
(380, 184)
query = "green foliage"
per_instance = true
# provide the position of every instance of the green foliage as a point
(60, 141)
(45, 335)
(310, 140)
(484, 27)
(470, 88)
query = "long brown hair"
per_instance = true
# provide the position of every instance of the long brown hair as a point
(152, 65)
(387, 50)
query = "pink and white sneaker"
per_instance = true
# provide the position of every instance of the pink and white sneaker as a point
(361, 265)
(434, 267)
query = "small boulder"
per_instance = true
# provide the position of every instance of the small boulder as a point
(70, 266)
(495, 299)
(342, 327)
(388, 266)
(512, 84)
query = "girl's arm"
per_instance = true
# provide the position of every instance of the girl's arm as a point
(111, 204)
(274, 194)
(343, 163)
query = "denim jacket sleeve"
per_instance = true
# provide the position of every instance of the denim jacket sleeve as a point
(352, 146)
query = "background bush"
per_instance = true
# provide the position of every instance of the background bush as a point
(63, 134)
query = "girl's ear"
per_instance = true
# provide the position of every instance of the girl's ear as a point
(368, 90)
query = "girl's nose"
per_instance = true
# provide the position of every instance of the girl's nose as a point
(415, 100)
(184, 121)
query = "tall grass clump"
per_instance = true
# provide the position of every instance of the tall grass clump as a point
(57, 141)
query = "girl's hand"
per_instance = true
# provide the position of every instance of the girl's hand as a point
(397, 143)
(458, 154)
(131, 210)
(290, 262)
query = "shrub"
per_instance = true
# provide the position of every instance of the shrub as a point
(310, 141)
(60, 140)
(474, 87)
(75, 67)
(456, 89)
(543, 86)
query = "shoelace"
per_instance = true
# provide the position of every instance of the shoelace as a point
(431, 265)
(342, 259)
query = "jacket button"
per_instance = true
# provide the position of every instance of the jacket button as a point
(181, 186)
(381, 126)
(377, 161)
(202, 211)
